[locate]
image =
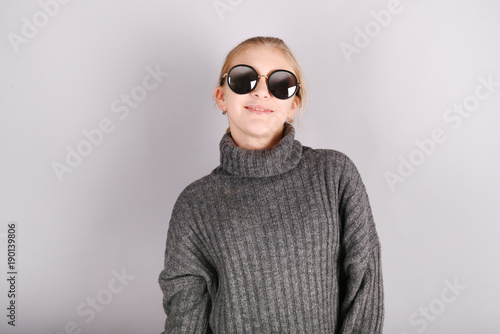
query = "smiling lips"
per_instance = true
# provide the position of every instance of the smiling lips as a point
(258, 109)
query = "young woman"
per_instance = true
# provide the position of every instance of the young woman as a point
(279, 238)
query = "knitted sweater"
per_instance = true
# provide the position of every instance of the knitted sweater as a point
(279, 240)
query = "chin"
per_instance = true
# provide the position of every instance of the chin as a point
(262, 129)
(259, 125)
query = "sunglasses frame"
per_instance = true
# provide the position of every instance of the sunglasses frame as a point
(297, 89)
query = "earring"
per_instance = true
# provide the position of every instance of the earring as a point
(289, 120)
(224, 112)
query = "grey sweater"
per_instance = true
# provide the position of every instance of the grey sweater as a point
(280, 240)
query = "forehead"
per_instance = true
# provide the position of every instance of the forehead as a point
(263, 59)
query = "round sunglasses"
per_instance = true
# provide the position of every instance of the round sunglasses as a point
(242, 79)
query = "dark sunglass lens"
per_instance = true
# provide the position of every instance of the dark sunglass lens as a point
(242, 79)
(282, 84)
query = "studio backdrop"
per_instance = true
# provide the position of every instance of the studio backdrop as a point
(107, 114)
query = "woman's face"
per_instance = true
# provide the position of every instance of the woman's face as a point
(256, 119)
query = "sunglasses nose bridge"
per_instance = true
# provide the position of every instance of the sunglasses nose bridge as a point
(266, 90)
(262, 75)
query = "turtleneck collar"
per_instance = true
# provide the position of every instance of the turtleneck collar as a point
(260, 163)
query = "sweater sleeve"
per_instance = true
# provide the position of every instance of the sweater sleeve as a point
(360, 283)
(188, 278)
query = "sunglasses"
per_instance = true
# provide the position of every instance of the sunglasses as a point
(242, 79)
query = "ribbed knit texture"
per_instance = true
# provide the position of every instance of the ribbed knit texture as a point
(280, 240)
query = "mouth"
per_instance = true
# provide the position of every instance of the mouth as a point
(258, 109)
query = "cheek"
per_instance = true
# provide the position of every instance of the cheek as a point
(285, 106)
(234, 99)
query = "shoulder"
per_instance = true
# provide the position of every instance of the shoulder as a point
(337, 169)
(331, 159)
(190, 202)
(192, 192)
(204, 190)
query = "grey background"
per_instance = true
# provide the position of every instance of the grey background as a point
(111, 212)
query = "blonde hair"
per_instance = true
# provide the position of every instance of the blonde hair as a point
(278, 44)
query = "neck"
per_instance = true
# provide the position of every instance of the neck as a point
(257, 143)
(275, 160)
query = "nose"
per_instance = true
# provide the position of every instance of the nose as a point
(261, 89)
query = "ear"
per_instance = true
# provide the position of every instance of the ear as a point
(220, 98)
(295, 107)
